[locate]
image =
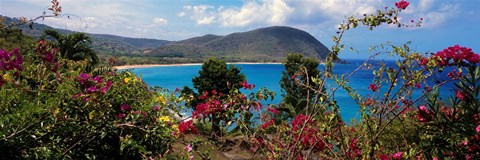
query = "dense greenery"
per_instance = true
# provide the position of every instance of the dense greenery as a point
(300, 73)
(74, 46)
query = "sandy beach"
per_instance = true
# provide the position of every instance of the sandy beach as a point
(183, 64)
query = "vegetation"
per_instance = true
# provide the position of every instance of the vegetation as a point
(55, 108)
(296, 84)
(73, 46)
(269, 44)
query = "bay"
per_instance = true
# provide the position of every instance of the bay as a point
(268, 76)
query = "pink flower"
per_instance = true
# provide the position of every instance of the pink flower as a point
(189, 148)
(478, 128)
(398, 155)
(423, 114)
(155, 108)
(402, 4)
(246, 85)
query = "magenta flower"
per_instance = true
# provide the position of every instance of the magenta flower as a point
(402, 4)
(478, 128)
(98, 79)
(156, 108)
(91, 89)
(120, 115)
(83, 78)
(125, 107)
(398, 155)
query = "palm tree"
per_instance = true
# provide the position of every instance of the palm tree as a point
(74, 46)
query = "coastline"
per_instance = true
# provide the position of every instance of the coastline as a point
(182, 64)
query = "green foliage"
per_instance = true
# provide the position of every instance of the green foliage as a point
(298, 76)
(75, 46)
(215, 75)
(55, 109)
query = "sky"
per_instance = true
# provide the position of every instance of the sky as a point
(446, 22)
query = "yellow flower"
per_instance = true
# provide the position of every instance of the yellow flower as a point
(126, 79)
(6, 77)
(164, 119)
(160, 99)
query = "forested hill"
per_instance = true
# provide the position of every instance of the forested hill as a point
(264, 45)
(270, 44)
(102, 43)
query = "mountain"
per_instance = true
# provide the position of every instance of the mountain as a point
(270, 44)
(102, 43)
(264, 45)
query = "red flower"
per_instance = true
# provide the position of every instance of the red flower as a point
(246, 85)
(401, 4)
(187, 127)
(454, 74)
(309, 137)
(423, 61)
(268, 124)
(456, 55)
(460, 95)
(418, 85)
(373, 87)
(273, 110)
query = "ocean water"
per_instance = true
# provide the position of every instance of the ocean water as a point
(268, 75)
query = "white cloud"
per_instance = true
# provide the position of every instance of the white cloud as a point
(160, 21)
(441, 15)
(279, 12)
(181, 14)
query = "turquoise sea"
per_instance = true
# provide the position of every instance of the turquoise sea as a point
(268, 75)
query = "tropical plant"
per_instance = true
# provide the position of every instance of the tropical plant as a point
(74, 46)
(299, 74)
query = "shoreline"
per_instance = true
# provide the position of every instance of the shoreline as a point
(182, 64)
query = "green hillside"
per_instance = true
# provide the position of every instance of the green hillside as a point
(269, 44)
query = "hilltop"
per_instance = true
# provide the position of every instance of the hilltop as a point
(270, 44)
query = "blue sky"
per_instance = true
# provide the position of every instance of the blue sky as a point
(446, 22)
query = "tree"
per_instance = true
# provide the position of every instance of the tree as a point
(298, 74)
(75, 46)
(215, 80)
